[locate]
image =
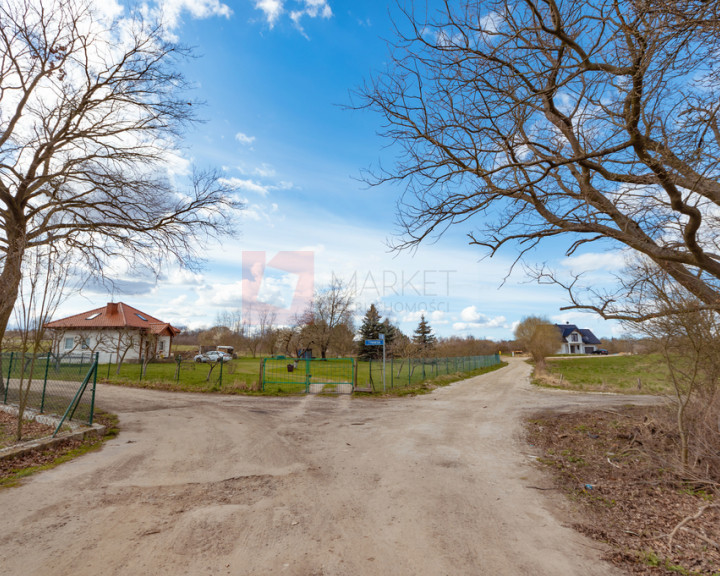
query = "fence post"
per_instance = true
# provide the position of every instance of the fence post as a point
(307, 375)
(7, 382)
(42, 400)
(92, 400)
(423, 361)
(262, 374)
(222, 361)
(109, 364)
(392, 373)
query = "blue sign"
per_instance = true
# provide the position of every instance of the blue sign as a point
(373, 342)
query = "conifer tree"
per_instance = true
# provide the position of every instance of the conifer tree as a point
(370, 329)
(423, 335)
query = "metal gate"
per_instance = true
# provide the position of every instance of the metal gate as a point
(308, 376)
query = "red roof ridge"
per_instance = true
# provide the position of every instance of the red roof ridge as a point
(112, 315)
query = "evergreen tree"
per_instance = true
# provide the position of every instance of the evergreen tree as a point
(423, 335)
(391, 331)
(370, 329)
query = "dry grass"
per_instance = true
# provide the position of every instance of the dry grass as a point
(622, 469)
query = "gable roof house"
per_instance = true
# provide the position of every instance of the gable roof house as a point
(576, 340)
(116, 331)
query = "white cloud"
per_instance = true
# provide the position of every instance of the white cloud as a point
(272, 9)
(171, 11)
(244, 138)
(264, 171)
(250, 185)
(470, 314)
(474, 320)
(596, 261)
(179, 301)
(184, 276)
(312, 9)
(247, 185)
(581, 319)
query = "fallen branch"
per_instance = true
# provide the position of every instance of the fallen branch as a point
(686, 520)
(701, 536)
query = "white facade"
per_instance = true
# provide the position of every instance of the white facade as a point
(573, 344)
(110, 344)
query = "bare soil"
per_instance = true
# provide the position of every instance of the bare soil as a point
(618, 466)
(443, 483)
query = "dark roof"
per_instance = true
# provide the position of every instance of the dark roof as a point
(114, 315)
(587, 336)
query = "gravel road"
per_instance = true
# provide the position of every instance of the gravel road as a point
(431, 485)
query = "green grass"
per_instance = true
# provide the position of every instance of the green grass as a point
(242, 375)
(237, 375)
(609, 374)
(442, 380)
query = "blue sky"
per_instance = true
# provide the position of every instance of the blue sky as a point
(276, 77)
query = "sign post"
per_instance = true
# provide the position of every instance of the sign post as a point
(382, 337)
(379, 342)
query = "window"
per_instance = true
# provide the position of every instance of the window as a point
(574, 338)
(69, 342)
(84, 344)
(93, 316)
(141, 317)
(161, 345)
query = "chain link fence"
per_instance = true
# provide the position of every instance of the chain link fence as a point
(409, 372)
(60, 386)
(308, 376)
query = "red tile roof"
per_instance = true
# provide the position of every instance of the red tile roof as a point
(114, 315)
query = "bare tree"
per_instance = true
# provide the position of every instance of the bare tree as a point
(259, 328)
(48, 273)
(687, 337)
(90, 111)
(288, 340)
(539, 337)
(126, 340)
(328, 317)
(593, 119)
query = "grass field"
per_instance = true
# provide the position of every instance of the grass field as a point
(243, 374)
(609, 374)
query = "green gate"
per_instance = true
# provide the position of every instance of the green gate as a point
(308, 376)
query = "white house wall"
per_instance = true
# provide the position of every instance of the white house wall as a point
(105, 343)
(579, 345)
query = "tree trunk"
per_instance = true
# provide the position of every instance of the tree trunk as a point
(9, 284)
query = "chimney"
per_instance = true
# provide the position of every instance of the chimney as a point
(111, 308)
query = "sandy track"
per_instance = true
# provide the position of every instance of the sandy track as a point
(437, 484)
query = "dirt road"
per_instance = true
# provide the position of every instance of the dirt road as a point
(431, 485)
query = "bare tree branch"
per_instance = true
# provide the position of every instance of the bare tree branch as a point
(528, 119)
(91, 111)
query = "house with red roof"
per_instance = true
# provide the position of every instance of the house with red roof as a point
(117, 332)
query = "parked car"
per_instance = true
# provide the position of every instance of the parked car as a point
(213, 356)
(600, 351)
